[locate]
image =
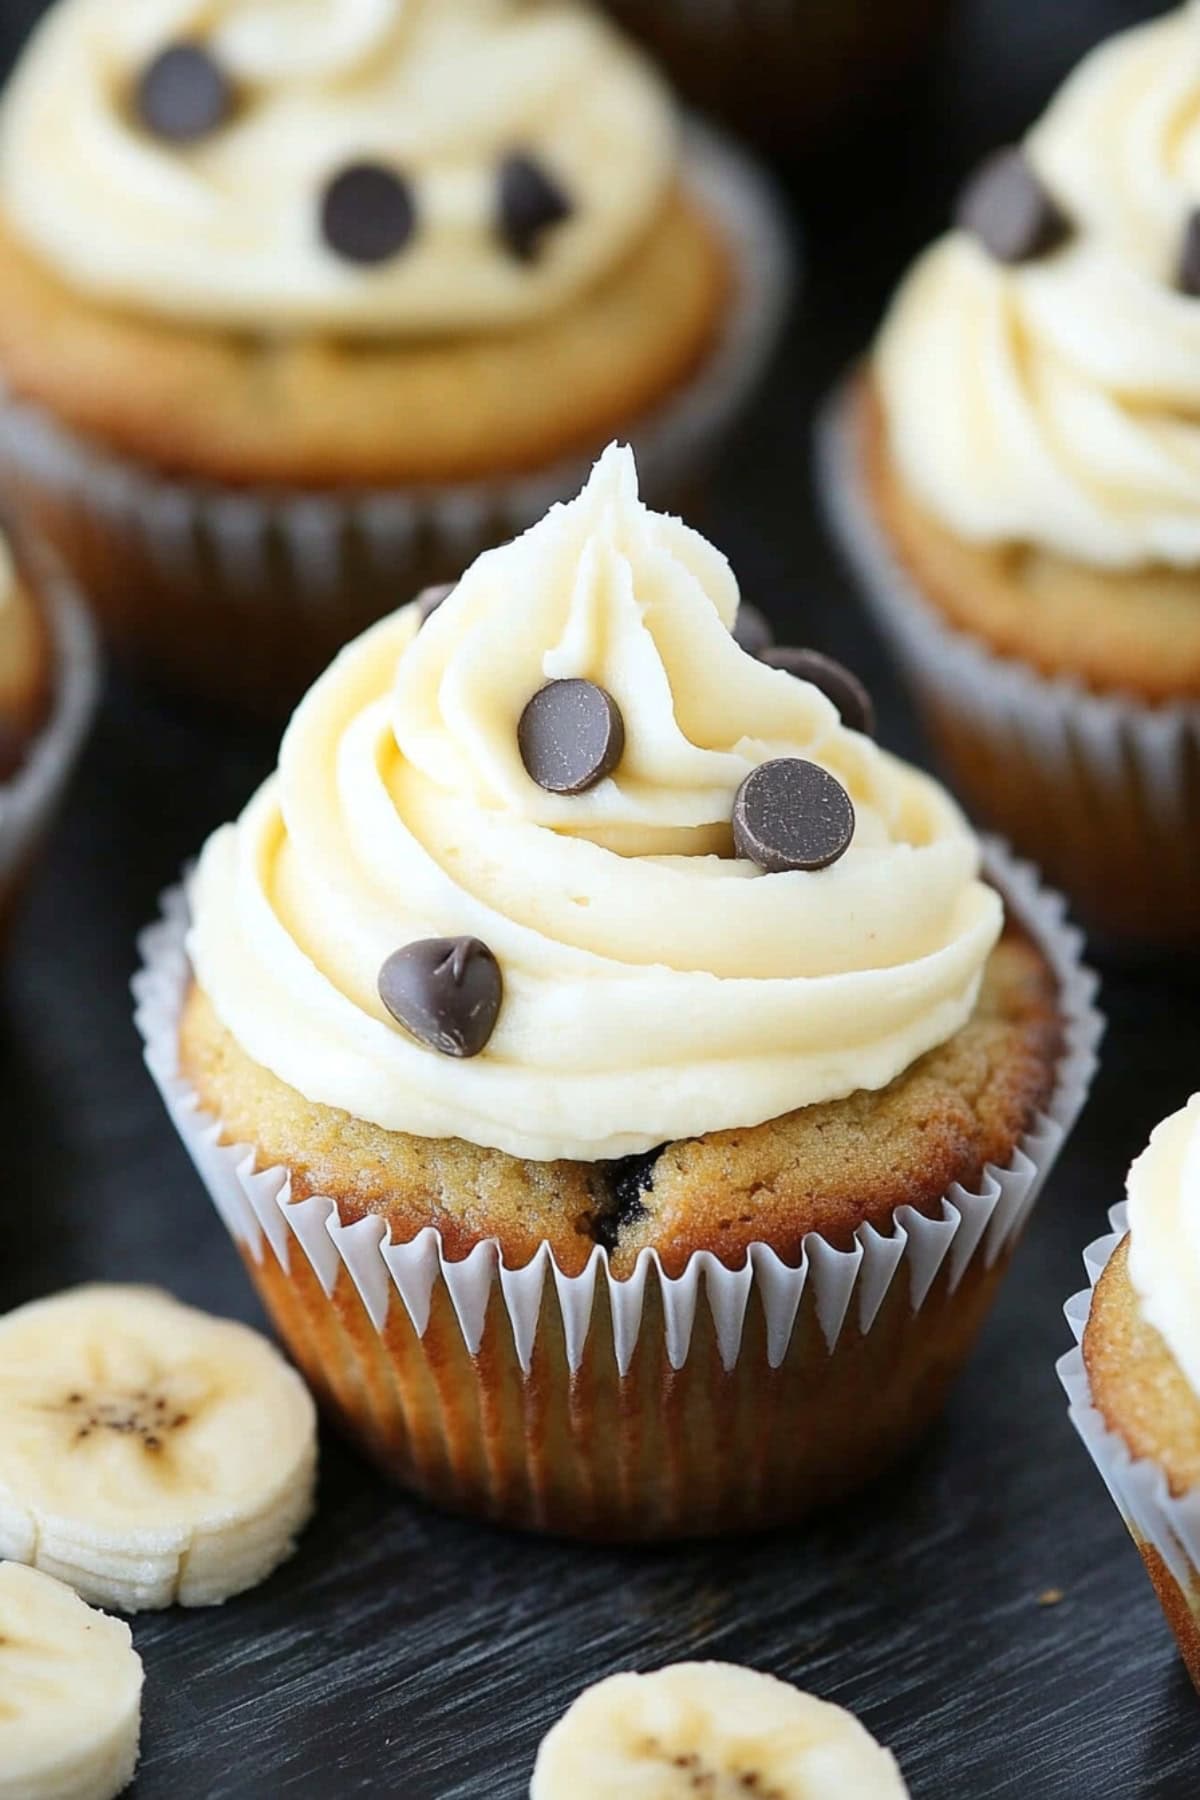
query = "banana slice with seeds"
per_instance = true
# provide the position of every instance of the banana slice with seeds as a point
(149, 1454)
(712, 1730)
(70, 1694)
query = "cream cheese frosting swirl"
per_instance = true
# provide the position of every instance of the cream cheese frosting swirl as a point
(224, 231)
(655, 986)
(1056, 403)
(1164, 1235)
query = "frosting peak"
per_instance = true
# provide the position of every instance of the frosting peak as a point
(1164, 1240)
(655, 985)
(1056, 402)
(225, 230)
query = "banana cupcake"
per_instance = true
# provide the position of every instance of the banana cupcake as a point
(575, 960)
(1134, 1383)
(1016, 474)
(48, 682)
(294, 322)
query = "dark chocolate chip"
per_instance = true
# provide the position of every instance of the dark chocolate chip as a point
(529, 203)
(1189, 258)
(571, 735)
(184, 94)
(627, 1180)
(445, 991)
(836, 682)
(368, 213)
(1007, 207)
(792, 814)
(752, 630)
(430, 598)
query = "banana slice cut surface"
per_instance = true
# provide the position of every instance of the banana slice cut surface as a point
(149, 1453)
(70, 1693)
(710, 1729)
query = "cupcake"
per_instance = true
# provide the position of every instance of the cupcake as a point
(573, 961)
(48, 683)
(784, 71)
(293, 323)
(1016, 475)
(1134, 1382)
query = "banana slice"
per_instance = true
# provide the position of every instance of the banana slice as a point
(70, 1694)
(149, 1454)
(713, 1729)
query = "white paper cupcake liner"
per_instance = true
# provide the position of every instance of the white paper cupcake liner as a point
(30, 798)
(259, 1212)
(300, 545)
(1139, 1489)
(1095, 754)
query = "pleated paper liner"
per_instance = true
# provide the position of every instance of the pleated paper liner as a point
(1101, 790)
(649, 1407)
(30, 799)
(247, 595)
(1165, 1527)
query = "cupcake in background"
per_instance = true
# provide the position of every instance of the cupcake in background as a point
(786, 72)
(49, 676)
(293, 323)
(1016, 475)
(623, 1086)
(1134, 1383)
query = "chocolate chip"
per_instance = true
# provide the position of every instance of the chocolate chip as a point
(571, 735)
(752, 630)
(529, 202)
(627, 1180)
(1189, 259)
(1006, 206)
(837, 683)
(445, 991)
(184, 94)
(368, 213)
(430, 598)
(792, 814)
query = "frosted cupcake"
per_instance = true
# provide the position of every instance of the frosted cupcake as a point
(1134, 1384)
(1017, 475)
(48, 682)
(293, 322)
(571, 957)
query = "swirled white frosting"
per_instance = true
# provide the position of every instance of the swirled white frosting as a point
(1057, 402)
(225, 231)
(656, 987)
(1164, 1235)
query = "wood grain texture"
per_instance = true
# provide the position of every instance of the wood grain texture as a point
(404, 1653)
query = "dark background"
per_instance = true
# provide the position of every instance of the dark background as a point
(403, 1653)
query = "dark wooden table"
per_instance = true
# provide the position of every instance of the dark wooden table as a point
(404, 1653)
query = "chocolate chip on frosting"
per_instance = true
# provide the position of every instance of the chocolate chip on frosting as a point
(751, 630)
(184, 94)
(529, 203)
(792, 814)
(836, 682)
(368, 213)
(1189, 258)
(430, 598)
(571, 735)
(445, 991)
(1007, 207)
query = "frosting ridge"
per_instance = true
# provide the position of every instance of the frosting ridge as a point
(656, 986)
(1164, 1235)
(224, 231)
(1057, 402)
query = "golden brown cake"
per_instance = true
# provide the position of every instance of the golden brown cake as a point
(1017, 480)
(289, 331)
(26, 666)
(585, 1001)
(1141, 1363)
